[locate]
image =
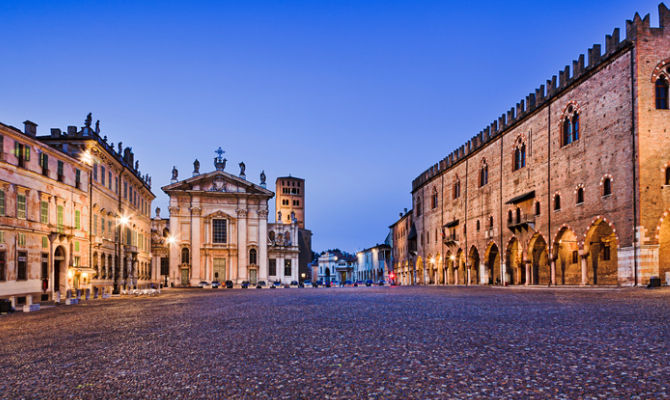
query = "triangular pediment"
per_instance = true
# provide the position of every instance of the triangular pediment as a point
(217, 182)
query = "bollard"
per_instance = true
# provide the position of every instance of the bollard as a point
(57, 297)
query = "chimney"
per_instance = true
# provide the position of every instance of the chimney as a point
(55, 132)
(30, 128)
(72, 130)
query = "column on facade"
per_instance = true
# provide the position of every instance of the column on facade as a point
(242, 244)
(528, 277)
(503, 271)
(583, 261)
(553, 271)
(173, 249)
(196, 243)
(262, 245)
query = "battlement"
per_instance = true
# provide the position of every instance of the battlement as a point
(555, 86)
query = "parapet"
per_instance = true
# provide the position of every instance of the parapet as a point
(554, 86)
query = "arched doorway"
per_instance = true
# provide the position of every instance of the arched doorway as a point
(60, 270)
(493, 264)
(327, 273)
(473, 268)
(448, 269)
(516, 273)
(566, 253)
(419, 271)
(540, 271)
(602, 266)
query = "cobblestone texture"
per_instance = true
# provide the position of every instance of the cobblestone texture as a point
(428, 343)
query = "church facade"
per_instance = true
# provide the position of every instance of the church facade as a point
(218, 230)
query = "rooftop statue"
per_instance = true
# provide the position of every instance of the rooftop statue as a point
(175, 173)
(89, 119)
(263, 177)
(243, 168)
(196, 167)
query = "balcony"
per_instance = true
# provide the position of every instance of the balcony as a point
(521, 222)
(451, 240)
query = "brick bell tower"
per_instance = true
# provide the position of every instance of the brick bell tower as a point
(290, 200)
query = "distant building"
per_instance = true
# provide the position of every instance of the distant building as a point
(373, 263)
(336, 267)
(403, 236)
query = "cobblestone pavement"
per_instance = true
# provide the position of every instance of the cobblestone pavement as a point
(397, 342)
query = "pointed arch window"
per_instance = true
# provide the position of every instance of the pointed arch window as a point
(571, 127)
(667, 175)
(457, 189)
(484, 175)
(580, 195)
(662, 93)
(434, 198)
(607, 186)
(520, 157)
(557, 202)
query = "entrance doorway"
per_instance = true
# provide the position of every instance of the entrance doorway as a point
(59, 269)
(184, 277)
(253, 276)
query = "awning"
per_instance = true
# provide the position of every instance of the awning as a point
(451, 224)
(522, 197)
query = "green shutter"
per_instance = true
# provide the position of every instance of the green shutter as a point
(45, 242)
(77, 219)
(26, 150)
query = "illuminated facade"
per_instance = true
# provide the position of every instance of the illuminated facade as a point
(570, 187)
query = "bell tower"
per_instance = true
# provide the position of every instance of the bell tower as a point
(290, 200)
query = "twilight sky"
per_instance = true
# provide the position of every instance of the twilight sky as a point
(357, 98)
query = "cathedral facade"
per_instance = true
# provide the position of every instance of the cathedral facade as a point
(569, 187)
(218, 230)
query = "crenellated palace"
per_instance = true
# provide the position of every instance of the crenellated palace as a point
(569, 187)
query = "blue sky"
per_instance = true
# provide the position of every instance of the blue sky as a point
(357, 98)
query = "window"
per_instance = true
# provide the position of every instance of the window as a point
(76, 246)
(77, 178)
(491, 222)
(77, 219)
(661, 93)
(607, 187)
(509, 216)
(575, 257)
(484, 175)
(520, 157)
(45, 242)
(272, 267)
(59, 219)
(110, 180)
(125, 190)
(667, 175)
(21, 206)
(284, 202)
(296, 203)
(252, 256)
(44, 212)
(21, 239)
(538, 209)
(95, 172)
(3, 272)
(606, 252)
(185, 256)
(518, 215)
(570, 127)
(102, 175)
(59, 171)
(22, 266)
(287, 267)
(44, 163)
(477, 227)
(22, 153)
(580, 195)
(557, 202)
(457, 189)
(2, 202)
(434, 199)
(219, 231)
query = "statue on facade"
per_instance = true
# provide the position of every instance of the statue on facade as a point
(89, 119)
(158, 212)
(120, 147)
(97, 126)
(196, 167)
(137, 165)
(219, 161)
(243, 168)
(175, 173)
(263, 177)
(279, 216)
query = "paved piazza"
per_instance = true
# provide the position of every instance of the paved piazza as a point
(390, 342)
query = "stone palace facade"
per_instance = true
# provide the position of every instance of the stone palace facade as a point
(569, 187)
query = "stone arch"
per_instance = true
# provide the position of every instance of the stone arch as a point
(96, 265)
(492, 262)
(540, 271)
(565, 251)
(601, 245)
(60, 270)
(473, 266)
(516, 271)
